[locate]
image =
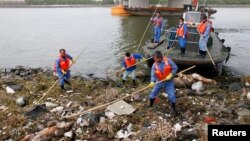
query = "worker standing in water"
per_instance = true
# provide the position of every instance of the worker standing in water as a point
(61, 67)
(129, 66)
(163, 69)
(204, 29)
(181, 34)
(157, 22)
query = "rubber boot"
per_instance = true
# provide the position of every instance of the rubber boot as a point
(200, 53)
(66, 81)
(205, 53)
(134, 84)
(182, 52)
(62, 87)
(173, 110)
(152, 100)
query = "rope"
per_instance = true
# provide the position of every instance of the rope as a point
(109, 103)
(45, 94)
(208, 52)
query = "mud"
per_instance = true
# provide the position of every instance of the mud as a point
(215, 102)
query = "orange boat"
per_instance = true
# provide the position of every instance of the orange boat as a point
(165, 11)
(147, 10)
(119, 10)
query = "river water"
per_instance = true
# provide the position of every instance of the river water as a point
(32, 36)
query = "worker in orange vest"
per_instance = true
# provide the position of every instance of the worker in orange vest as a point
(61, 67)
(204, 29)
(181, 34)
(129, 66)
(163, 69)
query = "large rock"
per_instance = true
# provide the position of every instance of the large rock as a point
(57, 109)
(9, 90)
(21, 102)
(69, 134)
(50, 105)
(102, 119)
(248, 95)
(234, 86)
(36, 111)
(198, 86)
(244, 114)
(4, 108)
(189, 134)
(15, 87)
(82, 122)
(221, 96)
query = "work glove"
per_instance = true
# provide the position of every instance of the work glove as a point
(151, 84)
(144, 59)
(180, 75)
(183, 37)
(73, 61)
(123, 69)
(64, 72)
(169, 76)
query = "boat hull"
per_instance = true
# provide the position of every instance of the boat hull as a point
(149, 11)
(165, 11)
(218, 51)
(119, 10)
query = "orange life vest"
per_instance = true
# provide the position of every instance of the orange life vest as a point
(130, 61)
(167, 70)
(64, 63)
(158, 21)
(202, 27)
(180, 31)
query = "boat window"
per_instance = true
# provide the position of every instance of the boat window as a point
(193, 17)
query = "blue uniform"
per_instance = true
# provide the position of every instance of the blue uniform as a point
(204, 38)
(183, 41)
(168, 85)
(130, 70)
(59, 71)
(157, 21)
(136, 56)
(157, 34)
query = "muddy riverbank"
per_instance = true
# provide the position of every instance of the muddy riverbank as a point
(222, 103)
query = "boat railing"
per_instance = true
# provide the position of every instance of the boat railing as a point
(192, 39)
